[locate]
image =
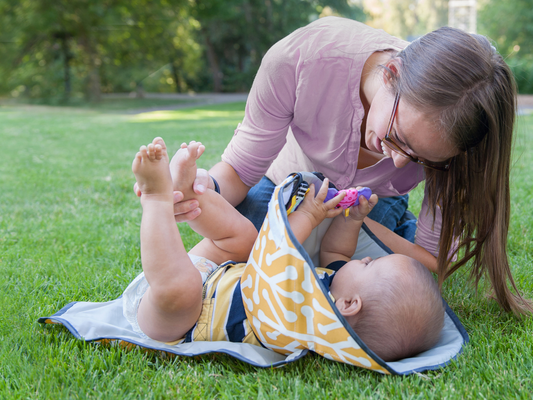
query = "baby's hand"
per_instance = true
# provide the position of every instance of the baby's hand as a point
(314, 207)
(360, 211)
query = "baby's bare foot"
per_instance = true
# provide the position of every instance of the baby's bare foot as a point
(151, 170)
(183, 166)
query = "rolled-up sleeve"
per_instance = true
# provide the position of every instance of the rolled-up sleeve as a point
(269, 111)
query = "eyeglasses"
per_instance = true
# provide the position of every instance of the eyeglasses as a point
(439, 166)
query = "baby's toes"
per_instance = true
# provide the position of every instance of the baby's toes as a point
(194, 149)
(159, 141)
(151, 152)
(200, 151)
(158, 152)
(136, 161)
(143, 151)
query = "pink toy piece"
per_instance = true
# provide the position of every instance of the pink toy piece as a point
(352, 196)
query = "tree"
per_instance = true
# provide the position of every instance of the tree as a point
(407, 19)
(508, 23)
(153, 37)
(87, 36)
(63, 48)
(237, 33)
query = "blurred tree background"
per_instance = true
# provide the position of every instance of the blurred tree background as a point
(82, 48)
(62, 50)
(510, 25)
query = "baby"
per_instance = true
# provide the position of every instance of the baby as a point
(393, 303)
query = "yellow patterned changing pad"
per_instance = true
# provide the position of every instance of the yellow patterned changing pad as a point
(286, 303)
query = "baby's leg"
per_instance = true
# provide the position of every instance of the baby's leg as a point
(172, 304)
(228, 235)
(183, 167)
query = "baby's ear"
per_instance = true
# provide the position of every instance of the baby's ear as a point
(348, 307)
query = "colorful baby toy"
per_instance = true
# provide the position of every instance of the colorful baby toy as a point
(350, 199)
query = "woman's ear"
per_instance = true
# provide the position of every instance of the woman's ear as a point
(391, 70)
(348, 307)
(394, 67)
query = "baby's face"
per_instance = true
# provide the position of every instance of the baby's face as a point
(358, 274)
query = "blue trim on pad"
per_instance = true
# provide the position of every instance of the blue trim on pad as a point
(221, 350)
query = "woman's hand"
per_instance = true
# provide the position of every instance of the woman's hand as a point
(202, 182)
(187, 210)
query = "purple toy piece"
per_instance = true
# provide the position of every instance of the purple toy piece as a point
(331, 194)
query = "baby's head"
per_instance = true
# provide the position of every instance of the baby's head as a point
(392, 303)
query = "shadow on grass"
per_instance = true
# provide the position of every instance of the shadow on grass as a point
(105, 105)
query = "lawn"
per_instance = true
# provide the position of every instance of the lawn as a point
(121, 103)
(69, 231)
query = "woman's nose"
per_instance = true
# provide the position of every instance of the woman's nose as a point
(399, 160)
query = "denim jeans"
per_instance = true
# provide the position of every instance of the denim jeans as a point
(392, 212)
(255, 205)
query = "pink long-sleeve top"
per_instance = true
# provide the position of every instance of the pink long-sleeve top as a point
(304, 113)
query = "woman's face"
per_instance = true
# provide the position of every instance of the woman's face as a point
(411, 130)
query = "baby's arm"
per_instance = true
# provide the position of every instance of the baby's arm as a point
(341, 238)
(312, 211)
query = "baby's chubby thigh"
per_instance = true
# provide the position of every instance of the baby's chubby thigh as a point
(151, 319)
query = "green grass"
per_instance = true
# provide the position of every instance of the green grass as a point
(121, 104)
(69, 231)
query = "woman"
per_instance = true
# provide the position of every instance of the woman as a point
(365, 108)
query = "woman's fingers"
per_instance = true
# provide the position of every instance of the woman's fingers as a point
(189, 216)
(202, 181)
(185, 210)
(178, 196)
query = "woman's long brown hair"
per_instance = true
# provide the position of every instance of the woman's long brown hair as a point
(461, 82)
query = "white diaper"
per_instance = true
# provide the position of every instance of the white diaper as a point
(133, 294)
